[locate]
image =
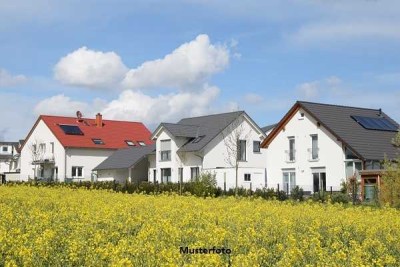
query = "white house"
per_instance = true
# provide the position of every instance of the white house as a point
(9, 159)
(317, 146)
(68, 148)
(213, 143)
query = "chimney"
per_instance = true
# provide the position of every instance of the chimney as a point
(99, 120)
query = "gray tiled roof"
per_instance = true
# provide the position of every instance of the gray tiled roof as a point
(268, 127)
(181, 130)
(369, 144)
(208, 128)
(125, 158)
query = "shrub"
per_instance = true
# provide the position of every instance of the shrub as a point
(297, 193)
(320, 196)
(340, 198)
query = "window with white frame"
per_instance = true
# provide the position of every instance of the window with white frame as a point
(194, 173)
(242, 150)
(165, 150)
(77, 172)
(319, 179)
(314, 155)
(291, 153)
(141, 143)
(247, 177)
(4, 149)
(165, 175)
(288, 180)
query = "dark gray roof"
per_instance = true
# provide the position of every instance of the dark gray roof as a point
(3, 143)
(125, 158)
(268, 127)
(181, 130)
(369, 144)
(208, 128)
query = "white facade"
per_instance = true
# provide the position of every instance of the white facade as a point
(315, 160)
(213, 158)
(7, 153)
(55, 162)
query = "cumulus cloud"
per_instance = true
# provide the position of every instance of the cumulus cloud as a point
(64, 105)
(134, 105)
(8, 80)
(186, 67)
(89, 68)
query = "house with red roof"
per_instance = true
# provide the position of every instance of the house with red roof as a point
(68, 148)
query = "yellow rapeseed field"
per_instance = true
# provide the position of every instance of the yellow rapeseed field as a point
(78, 227)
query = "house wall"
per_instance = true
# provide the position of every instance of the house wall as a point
(331, 156)
(86, 158)
(139, 172)
(217, 158)
(119, 175)
(42, 134)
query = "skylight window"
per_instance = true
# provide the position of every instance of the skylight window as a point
(98, 141)
(381, 124)
(141, 143)
(197, 139)
(130, 143)
(71, 129)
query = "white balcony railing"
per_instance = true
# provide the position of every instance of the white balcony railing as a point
(313, 154)
(290, 155)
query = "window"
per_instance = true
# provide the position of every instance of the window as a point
(154, 176)
(319, 181)
(130, 143)
(165, 153)
(242, 150)
(166, 175)
(141, 143)
(247, 177)
(52, 147)
(291, 154)
(314, 147)
(77, 172)
(71, 129)
(353, 168)
(180, 175)
(194, 173)
(197, 139)
(4, 149)
(256, 146)
(289, 181)
(42, 147)
(98, 141)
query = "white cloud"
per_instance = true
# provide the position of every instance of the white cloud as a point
(134, 105)
(188, 66)
(64, 105)
(253, 98)
(9, 80)
(333, 31)
(89, 68)
(309, 90)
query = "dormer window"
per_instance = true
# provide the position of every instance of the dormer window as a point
(98, 141)
(130, 143)
(4, 149)
(141, 143)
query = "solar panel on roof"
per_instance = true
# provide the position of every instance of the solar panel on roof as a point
(370, 123)
(71, 129)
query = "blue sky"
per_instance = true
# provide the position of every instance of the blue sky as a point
(156, 60)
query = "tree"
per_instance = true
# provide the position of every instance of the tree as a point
(37, 152)
(390, 187)
(232, 135)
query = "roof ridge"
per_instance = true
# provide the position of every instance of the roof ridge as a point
(84, 118)
(334, 105)
(215, 114)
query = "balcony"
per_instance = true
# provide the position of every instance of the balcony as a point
(45, 158)
(165, 155)
(290, 155)
(313, 154)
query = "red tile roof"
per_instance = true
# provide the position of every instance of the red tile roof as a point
(113, 133)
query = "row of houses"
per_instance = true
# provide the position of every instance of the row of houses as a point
(315, 146)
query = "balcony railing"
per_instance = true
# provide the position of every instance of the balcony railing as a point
(313, 154)
(290, 155)
(165, 155)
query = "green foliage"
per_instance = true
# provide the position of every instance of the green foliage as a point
(320, 196)
(340, 198)
(297, 194)
(390, 183)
